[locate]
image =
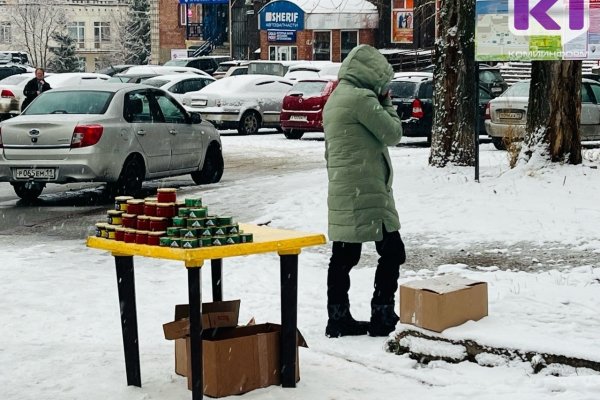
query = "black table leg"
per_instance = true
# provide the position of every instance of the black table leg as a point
(126, 288)
(216, 272)
(289, 320)
(195, 298)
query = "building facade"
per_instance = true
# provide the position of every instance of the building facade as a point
(94, 24)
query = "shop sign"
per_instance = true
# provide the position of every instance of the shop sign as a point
(402, 21)
(281, 36)
(281, 15)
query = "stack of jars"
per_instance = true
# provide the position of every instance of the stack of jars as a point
(164, 221)
(140, 221)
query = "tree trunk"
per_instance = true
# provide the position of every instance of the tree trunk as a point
(454, 81)
(554, 111)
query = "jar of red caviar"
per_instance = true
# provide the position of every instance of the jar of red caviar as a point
(135, 206)
(143, 223)
(166, 195)
(150, 208)
(129, 220)
(154, 237)
(141, 237)
(166, 210)
(120, 234)
(158, 223)
(129, 235)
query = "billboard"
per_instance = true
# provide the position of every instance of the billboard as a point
(532, 30)
(402, 21)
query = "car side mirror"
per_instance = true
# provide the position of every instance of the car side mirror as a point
(196, 117)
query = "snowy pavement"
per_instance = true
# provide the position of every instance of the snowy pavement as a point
(60, 315)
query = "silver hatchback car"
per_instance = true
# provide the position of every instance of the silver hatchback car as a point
(121, 134)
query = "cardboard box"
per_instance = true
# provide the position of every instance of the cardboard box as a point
(443, 302)
(238, 360)
(214, 315)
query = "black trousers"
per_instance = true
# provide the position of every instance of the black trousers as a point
(345, 256)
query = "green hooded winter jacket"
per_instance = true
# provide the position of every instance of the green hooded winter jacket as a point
(358, 128)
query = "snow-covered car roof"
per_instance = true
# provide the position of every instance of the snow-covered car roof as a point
(239, 82)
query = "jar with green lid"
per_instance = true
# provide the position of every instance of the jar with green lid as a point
(179, 221)
(246, 238)
(189, 243)
(193, 202)
(198, 212)
(175, 242)
(205, 241)
(232, 239)
(206, 231)
(173, 231)
(195, 222)
(188, 232)
(221, 221)
(218, 240)
(220, 231)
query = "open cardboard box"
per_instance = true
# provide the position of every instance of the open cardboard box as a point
(442, 302)
(214, 315)
(238, 360)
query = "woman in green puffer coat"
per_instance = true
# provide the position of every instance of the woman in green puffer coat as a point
(360, 122)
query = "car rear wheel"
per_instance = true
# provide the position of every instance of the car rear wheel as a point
(28, 191)
(131, 178)
(293, 134)
(249, 123)
(498, 143)
(212, 170)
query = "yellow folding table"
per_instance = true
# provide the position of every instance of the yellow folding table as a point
(286, 243)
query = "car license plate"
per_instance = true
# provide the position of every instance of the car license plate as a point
(298, 118)
(510, 115)
(496, 89)
(37, 173)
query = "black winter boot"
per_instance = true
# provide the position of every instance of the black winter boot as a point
(383, 319)
(341, 323)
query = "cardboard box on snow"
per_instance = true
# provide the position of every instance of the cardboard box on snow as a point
(214, 315)
(238, 360)
(442, 302)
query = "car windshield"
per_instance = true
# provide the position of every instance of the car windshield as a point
(490, 76)
(14, 79)
(403, 89)
(310, 88)
(70, 102)
(156, 82)
(118, 79)
(176, 63)
(519, 89)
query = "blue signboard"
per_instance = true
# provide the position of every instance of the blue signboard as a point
(281, 36)
(203, 1)
(281, 14)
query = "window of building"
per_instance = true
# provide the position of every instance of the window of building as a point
(101, 33)
(77, 33)
(322, 46)
(283, 53)
(349, 40)
(193, 12)
(5, 36)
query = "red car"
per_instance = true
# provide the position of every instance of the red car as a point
(302, 109)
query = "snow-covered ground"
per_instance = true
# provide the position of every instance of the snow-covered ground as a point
(60, 332)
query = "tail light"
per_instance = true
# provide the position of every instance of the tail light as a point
(6, 93)
(417, 109)
(487, 111)
(86, 135)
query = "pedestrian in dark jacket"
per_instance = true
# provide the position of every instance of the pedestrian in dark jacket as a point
(35, 87)
(360, 122)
